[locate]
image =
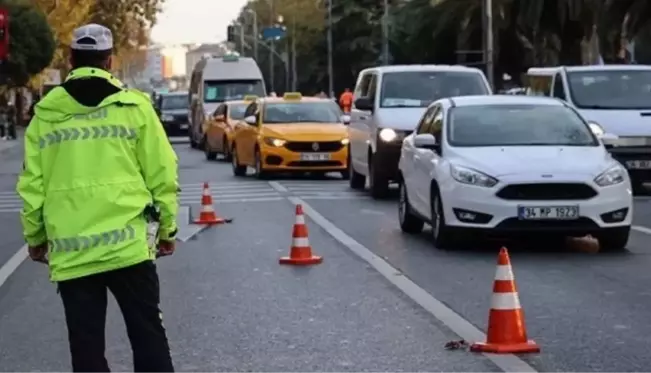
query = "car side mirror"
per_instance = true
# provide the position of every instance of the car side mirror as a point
(426, 141)
(345, 119)
(608, 139)
(364, 104)
(251, 120)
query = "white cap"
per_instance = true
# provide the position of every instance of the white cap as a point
(94, 37)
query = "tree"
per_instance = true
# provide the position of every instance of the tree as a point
(31, 42)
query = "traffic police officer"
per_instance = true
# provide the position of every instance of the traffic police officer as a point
(96, 157)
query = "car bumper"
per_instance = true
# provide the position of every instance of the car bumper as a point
(176, 127)
(388, 156)
(280, 159)
(499, 216)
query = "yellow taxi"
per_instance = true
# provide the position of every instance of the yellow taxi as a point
(291, 134)
(220, 127)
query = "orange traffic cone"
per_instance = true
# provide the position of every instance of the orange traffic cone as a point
(506, 330)
(301, 251)
(207, 215)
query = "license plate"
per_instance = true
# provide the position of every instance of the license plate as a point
(315, 157)
(639, 165)
(548, 213)
(184, 126)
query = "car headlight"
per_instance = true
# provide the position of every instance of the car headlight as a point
(388, 135)
(596, 129)
(345, 141)
(469, 176)
(612, 176)
(167, 118)
(274, 142)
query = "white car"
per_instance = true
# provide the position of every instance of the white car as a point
(507, 165)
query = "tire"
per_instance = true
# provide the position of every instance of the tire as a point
(613, 239)
(409, 223)
(443, 236)
(355, 180)
(260, 173)
(226, 150)
(238, 170)
(210, 155)
(344, 174)
(379, 184)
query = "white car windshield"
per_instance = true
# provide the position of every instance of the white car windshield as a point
(517, 125)
(611, 89)
(301, 112)
(420, 88)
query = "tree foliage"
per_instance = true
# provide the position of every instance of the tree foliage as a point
(526, 33)
(31, 42)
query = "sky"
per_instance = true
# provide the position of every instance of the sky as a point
(195, 21)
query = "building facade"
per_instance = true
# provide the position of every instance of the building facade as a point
(195, 54)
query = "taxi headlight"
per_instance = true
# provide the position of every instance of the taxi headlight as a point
(167, 118)
(271, 141)
(469, 176)
(388, 135)
(345, 141)
(596, 129)
(612, 176)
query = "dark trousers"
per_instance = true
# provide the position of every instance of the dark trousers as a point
(137, 292)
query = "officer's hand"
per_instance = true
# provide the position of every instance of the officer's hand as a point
(38, 253)
(166, 248)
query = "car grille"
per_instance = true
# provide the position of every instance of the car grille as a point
(308, 146)
(547, 192)
(181, 118)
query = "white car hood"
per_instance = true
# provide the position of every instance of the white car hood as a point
(538, 160)
(404, 119)
(621, 122)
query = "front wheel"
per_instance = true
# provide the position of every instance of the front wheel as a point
(443, 236)
(613, 239)
(210, 155)
(238, 170)
(259, 169)
(226, 150)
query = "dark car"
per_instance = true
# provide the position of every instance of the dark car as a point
(173, 109)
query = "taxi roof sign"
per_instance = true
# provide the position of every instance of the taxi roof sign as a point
(250, 98)
(294, 96)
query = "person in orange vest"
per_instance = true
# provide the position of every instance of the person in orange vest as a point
(346, 100)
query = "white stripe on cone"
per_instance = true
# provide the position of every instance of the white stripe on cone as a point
(206, 192)
(301, 242)
(300, 219)
(504, 273)
(505, 301)
(207, 208)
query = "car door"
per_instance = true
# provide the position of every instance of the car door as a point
(213, 129)
(427, 160)
(409, 155)
(250, 134)
(358, 128)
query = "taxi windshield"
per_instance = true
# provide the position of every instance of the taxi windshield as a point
(611, 89)
(517, 125)
(236, 111)
(301, 112)
(420, 88)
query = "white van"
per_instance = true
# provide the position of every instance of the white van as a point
(615, 100)
(218, 79)
(389, 103)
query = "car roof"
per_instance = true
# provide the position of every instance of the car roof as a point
(303, 99)
(245, 102)
(587, 68)
(504, 100)
(406, 68)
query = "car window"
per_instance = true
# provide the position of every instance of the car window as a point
(426, 121)
(236, 111)
(559, 90)
(251, 109)
(420, 88)
(517, 125)
(220, 91)
(611, 89)
(361, 90)
(437, 124)
(219, 111)
(174, 102)
(301, 112)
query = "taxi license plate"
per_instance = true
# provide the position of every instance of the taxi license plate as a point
(184, 126)
(548, 213)
(315, 157)
(639, 165)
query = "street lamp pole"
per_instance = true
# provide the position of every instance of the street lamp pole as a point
(330, 68)
(488, 48)
(255, 33)
(385, 34)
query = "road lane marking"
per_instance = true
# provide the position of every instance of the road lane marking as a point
(447, 316)
(278, 187)
(641, 229)
(12, 264)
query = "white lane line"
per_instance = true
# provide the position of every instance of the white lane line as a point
(278, 187)
(456, 323)
(10, 266)
(641, 229)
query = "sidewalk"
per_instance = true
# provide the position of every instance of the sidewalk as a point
(229, 306)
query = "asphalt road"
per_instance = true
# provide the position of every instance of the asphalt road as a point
(229, 306)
